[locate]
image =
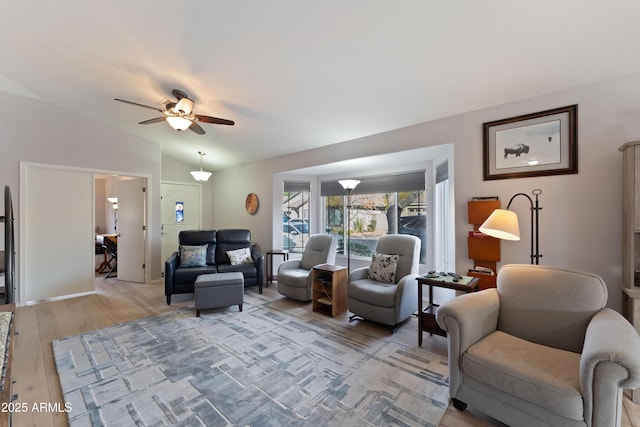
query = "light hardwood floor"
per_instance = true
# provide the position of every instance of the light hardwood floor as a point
(37, 326)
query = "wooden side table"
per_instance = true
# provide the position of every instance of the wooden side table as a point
(268, 274)
(329, 289)
(427, 316)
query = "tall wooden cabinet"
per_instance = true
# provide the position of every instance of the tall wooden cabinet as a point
(631, 232)
(483, 250)
(631, 238)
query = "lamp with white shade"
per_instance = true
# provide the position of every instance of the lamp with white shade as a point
(349, 185)
(178, 122)
(201, 175)
(503, 224)
(114, 205)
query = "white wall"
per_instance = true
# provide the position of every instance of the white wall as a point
(34, 131)
(102, 217)
(57, 248)
(580, 221)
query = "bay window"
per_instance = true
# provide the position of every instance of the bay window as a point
(380, 205)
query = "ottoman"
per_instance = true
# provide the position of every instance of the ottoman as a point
(218, 290)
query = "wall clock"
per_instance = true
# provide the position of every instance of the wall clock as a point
(251, 203)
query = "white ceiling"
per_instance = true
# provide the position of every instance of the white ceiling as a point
(295, 74)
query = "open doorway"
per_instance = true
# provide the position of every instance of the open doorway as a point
(57, 231)
(120, 227)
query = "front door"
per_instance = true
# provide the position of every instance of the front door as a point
(181, 210)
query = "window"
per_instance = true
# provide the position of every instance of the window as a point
(179, 211)
(390, 204)
(295, 215)
(441, 239)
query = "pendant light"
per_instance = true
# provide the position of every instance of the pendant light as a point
(201, 175)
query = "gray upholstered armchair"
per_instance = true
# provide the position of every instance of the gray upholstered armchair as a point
(541, 349)
(392, 299)
(294, 278)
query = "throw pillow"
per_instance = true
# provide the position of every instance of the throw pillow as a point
(193, 256)
(383, 268)
(240, 256)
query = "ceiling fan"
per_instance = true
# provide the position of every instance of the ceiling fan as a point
(180, 115)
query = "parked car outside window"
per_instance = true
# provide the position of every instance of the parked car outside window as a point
(300, 224)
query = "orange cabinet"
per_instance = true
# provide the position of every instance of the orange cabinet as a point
(482, 249)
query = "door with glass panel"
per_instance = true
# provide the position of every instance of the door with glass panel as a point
(181, 210)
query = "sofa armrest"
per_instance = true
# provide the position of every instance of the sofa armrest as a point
(170, 267)
(610, 361)
(407, 296)
(258, 260)
(467, 319)
(359, 274)
(289, 265)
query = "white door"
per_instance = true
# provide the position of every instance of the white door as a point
(56, 233)
(181, 210)
(132, 229)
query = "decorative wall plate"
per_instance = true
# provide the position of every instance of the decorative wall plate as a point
(251, 203)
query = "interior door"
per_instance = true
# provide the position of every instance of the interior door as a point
(132, 231)
(181, 210)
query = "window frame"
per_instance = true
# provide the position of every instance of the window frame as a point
(376, 165)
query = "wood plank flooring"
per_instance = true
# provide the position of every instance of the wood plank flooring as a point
(37, 326)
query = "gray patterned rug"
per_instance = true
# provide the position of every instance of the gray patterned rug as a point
(259, 367)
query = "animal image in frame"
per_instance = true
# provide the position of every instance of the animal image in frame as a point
(531, 145)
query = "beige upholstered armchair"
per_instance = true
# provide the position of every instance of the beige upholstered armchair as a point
(294, 278)
(374, 295)
(541, 349)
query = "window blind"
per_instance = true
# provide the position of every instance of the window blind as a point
(442, 172)
(296, 186)
(406, 181)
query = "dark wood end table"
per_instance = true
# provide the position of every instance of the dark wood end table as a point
(427, 316)
(269, 264)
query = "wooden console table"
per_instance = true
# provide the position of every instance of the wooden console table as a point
(427, 316)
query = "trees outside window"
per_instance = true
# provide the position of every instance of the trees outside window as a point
(374, 215)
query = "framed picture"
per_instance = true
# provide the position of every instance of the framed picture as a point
(537, 144)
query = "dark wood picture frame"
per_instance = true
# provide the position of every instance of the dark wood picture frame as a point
(537, 144)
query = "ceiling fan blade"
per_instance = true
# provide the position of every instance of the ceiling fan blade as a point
(196, 128)
(156, 120)
(139, 105)
(214, 120)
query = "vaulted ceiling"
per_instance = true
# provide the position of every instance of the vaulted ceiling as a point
(296, 75)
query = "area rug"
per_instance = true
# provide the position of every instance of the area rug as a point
(5, 325)
(259, 367)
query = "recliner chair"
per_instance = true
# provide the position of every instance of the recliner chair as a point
(294, 276)
(387, 303)
(541, 349)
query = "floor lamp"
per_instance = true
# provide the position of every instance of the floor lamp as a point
(503, 224)
(349, 185)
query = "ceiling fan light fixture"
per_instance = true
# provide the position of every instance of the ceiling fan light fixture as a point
(179, 114)
(178, 123)
(201, 175)
(184, 106)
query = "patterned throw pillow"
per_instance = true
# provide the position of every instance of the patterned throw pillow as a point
(240, 256)
(193, 256)
(383, 268)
